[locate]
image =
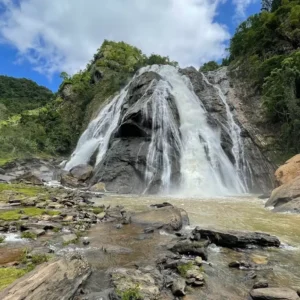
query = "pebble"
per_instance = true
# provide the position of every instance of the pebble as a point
(119, 226)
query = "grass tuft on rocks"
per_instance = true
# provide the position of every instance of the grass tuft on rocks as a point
(9, 275)
(183, 269)
(14, 214)
(130, 294)
(28, 235)
(26, 190)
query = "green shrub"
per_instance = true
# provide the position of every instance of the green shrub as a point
(182, 269)
(209, 66)
(28, 235)
(130, 294)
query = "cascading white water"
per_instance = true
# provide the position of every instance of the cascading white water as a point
(98, 133)
(234, 131)
(205, 168)
(163, 127)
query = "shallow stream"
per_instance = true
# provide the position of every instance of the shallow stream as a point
(281, 267)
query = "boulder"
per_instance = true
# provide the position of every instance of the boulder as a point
(37, 232)
(284, 194)
(69, 238)
(98, 187)
(147, 282)
(101, 215)
(70, 181)
(291, 206)
(169, 218)
(57, 279)
(261, 284)
(29, 178)
(288, 171)
(191, 248)
(178, 287)
(238, 239)
(82, 172)
(274, 294)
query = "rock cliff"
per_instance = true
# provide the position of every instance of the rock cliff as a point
(144, 148)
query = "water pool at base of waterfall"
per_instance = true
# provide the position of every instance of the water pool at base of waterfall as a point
(245, 212)
(279, 266)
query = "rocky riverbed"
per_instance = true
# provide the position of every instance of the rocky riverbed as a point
(103, 246)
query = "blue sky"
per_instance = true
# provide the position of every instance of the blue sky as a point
(39, 39)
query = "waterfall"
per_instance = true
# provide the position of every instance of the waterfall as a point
(164, 128)
(234, 130)
(97, 135)
(205, 168)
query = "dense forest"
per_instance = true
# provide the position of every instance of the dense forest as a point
(19, 95)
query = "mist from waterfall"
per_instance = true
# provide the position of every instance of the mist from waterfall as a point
(205, 168)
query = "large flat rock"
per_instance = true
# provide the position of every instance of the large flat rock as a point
(274, 294)
(237, 239)
(55, 280)
(168, 217)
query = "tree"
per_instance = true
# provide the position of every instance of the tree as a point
(64, 76)
(209, 66)
(275, 5)
(155, 59)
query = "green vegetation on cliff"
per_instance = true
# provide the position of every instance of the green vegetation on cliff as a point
(209, 66)
(264, 52)
(20, 99)
(53, 127)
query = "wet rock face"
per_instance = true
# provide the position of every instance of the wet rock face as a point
(260, 176)
(124, 165)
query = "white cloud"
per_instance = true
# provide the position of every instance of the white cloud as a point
(241, 7)
(63, 35)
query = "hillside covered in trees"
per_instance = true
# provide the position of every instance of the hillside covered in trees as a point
(35, 125)
(20, 94)
(266, 49)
